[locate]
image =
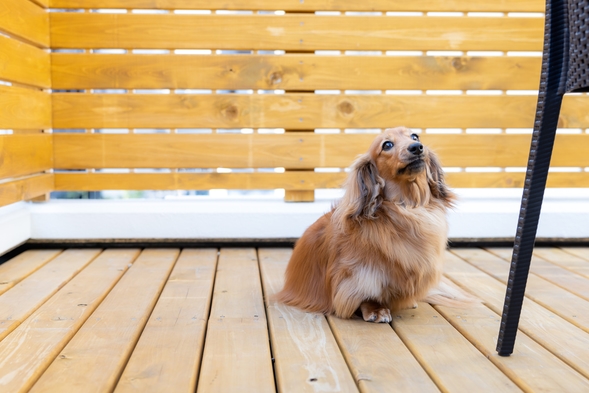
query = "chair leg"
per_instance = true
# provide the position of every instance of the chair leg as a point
(547, 112)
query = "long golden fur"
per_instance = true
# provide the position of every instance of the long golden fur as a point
(381, 248)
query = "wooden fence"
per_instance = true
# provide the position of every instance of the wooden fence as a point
(265, 94)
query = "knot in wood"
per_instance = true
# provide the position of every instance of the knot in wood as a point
(230, 112)
(275, 78)
(345, 107)
(458, 63)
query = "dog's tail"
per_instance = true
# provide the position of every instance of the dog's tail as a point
(448, 294)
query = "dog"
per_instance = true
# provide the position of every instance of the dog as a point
(381, 247)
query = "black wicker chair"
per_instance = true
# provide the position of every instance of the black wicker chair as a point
(565, 68)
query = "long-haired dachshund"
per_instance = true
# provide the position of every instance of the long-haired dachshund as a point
(381, 247)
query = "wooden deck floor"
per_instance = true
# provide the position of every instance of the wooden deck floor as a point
(169, 320)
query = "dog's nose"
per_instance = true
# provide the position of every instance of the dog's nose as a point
(416, 148)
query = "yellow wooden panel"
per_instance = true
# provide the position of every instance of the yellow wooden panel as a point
(293, 32)
(307, 357)
(293, 72)
(38, 340)
(237, 350)
(28, 295)
(25, 188)
(292, 150)
(24, 63)
(196, 181)
(311, 5)
(21, 266)
(564, 340)
(304, 111)
(439, 347)
(94, 358)
(42, 3)
(167, 356)
(531, 366)
(564, 259)
(24, 108)
(25, 154)
(26, 20)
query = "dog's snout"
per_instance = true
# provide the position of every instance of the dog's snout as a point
(416, 148)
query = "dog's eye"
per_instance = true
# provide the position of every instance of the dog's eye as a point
(414, 137)
(387, 145)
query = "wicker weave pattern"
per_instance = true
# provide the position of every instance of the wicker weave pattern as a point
(578, 73)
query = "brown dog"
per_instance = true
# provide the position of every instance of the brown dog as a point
(381, 247)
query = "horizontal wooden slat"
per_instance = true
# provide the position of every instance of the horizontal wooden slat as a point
(25, 19)
(42, 3)
(25, 189)
(24, 108)
(311, 5)
(23, 63)
(25, 154)
(292, 180)
(304, 111)
(292, 150)
(293, 32)
(292, 72)
(195, 181)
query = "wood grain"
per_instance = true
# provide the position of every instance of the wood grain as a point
(293, 72)
(439, 347)
(24, 108)
(25, 154)
(167, 356)
(22, 265)
(311, 5)
(307, 357)
(293, 32)
(94, 358)
(237, 351)
(31, 347)
(24, 63)
(564, 259)
(26, 20)
(28, 295)
(26, 188)
(292, 150)
(563, 339)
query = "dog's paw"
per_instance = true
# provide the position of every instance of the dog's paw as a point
(372, 312)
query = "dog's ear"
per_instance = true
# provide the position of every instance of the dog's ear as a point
(436, 182)
(364, 189)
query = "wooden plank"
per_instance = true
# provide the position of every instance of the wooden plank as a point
(25, 188)
(307, 357)
(28, 295)
(564, 259)
(581, 252)
(167, 356)
(25, 154)
(25, 20)
(531, 366)
(30, 348)
(237, 352)
(24, 108)
(295, 180)
(23, 265)
(293, 72)
(311, 5)
(551, 296)
(564, 278)
(42, 3)
(24, 63)
(291, 150)
(294, 32)
(303, 111)
(567, 342)
(439, 348)
(94, 358)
